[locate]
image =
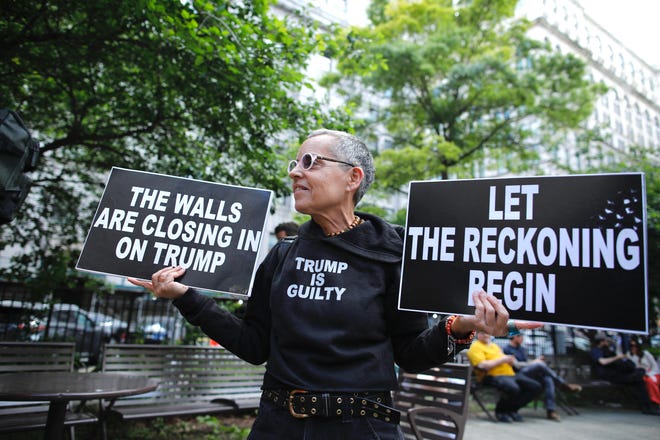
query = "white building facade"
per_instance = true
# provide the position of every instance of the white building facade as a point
(629, 113)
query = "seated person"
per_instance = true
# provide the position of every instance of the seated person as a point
(645, 360)
(495, 368)
(538, 370)
(617, 368)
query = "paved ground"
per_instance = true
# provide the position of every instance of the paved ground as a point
(592, 423)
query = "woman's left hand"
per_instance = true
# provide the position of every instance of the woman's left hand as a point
(490, 316)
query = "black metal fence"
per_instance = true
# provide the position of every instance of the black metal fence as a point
(133, 316)
(91, 319)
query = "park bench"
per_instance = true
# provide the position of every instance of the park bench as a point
(193, 380)
(567, 366)
(578, 368)
(37, 357)
(483, 394)
(434, 404)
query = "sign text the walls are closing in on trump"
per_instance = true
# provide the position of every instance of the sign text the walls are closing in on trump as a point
(147, 221)
(565, 250)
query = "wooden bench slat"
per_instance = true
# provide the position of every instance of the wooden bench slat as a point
(36, 357)
(32, 421)
(26, 408)
(193, 380)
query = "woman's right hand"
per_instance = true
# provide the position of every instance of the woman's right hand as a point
(163, 283)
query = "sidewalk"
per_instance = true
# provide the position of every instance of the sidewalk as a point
(592, 423)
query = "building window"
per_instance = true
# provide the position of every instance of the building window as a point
(621, 144)
(618, 126)
(596, 49)
(610, 56)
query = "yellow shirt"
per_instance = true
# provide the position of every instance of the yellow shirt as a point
(479, 352)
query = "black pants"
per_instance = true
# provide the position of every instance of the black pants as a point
(518, 391)
(634, 377)
(540, 372)
(275, 423)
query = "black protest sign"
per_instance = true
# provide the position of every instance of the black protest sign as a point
(147, 221)
(565, 250)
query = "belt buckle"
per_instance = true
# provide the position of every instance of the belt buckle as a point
(293, 411)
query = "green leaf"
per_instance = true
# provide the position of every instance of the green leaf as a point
(199, 89)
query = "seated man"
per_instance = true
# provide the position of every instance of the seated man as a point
(538, 370)
(495, 368)
(617, 368)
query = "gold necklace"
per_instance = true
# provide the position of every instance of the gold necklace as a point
(356, 221)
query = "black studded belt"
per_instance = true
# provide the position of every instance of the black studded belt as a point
(302, 404)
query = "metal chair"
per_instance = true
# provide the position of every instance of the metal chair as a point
(434, 404)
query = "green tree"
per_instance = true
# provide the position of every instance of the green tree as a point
(196, 88)
(462, 82)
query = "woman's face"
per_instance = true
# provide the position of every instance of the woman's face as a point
(324, 187)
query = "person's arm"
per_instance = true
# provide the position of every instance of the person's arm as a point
(540, 359)
(520, 359)
(247, 338)
(418, 347)
(490, 364)
(610, 359)
(649, 362)
(477, 357)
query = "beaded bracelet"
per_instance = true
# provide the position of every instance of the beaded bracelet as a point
(464, 341)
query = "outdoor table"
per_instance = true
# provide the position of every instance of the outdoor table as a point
(60, 388)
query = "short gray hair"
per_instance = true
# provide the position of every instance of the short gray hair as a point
(351, 149)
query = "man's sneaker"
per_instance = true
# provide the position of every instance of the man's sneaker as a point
(573, 387)
(516, 417)
(503, 417)
(651, 410)
(552, 415)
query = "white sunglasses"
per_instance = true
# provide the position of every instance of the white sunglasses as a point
(308, 159)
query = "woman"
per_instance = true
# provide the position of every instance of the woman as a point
(645, 360)
(323, 311)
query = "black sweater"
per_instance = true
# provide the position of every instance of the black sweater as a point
(323, 314)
